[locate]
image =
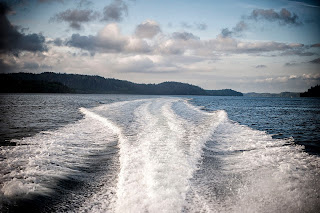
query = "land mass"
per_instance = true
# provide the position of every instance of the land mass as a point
(312, 92)
(49, 82)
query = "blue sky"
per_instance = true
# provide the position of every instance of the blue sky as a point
(249, 46)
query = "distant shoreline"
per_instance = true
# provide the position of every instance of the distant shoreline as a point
(49, 82)
(85, 84)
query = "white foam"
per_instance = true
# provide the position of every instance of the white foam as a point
(34, 166)
(159, 158)
(256, 173)
(16, 188)
(105, 121)
(173, 157)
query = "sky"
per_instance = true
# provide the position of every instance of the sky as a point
(246, 45)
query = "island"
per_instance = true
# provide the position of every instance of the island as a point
(50, 82)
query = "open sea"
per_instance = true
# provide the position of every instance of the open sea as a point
(131, 153)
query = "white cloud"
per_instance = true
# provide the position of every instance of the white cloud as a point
(283, 79)
(147, 29)
(110, 39)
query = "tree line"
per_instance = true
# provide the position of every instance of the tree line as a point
(49, 82)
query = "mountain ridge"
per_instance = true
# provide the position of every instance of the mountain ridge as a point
(76, 83)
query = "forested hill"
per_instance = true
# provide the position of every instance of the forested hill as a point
(74, 83)
(312, 92)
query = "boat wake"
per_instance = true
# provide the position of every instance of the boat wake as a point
(157, 155)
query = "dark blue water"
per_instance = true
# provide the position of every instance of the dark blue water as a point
(24, 115)
(297, 118)
(131, 153)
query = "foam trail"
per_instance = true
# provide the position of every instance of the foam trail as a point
(163, 155)
(53, 156)
(103, 120)
(159, 159)
(245, 170)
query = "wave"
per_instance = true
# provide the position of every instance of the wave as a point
(162, 155)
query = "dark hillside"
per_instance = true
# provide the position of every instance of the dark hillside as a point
(9, 84)
(61, 83)
(312, 92)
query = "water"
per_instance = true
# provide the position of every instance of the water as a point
(120, 153)
(297, 118)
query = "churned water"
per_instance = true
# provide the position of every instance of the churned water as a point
(120, 153)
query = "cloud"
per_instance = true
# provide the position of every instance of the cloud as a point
(85, 3)
(198, 26)
(57, 42)
(179, 43)
(31, 65)
(275, 84)
(136, 45)
(137, 64)
(201, 26)
(225, 32)
(145, 65)
(27, 62)
(311, 76)
(186, 25)
(307, 3)
(264, 46)
(75, 17)
(260, 66)
(288, 64)
(227, 44)
(315, 61)
(115, 11)
(5, 67)
(109, 40)
(27, 2)
(284, 79)
(236, 31)
(83, 42)
(284, 17)
(12, 41)
(298, 51)
(184, 36)
(241, 26)
(95, 43)
(147, 29)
